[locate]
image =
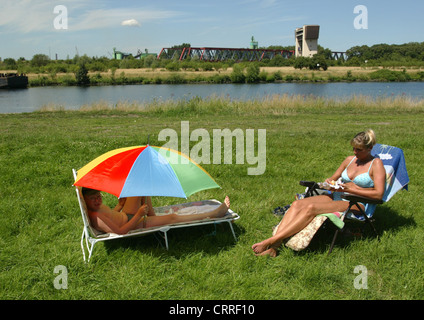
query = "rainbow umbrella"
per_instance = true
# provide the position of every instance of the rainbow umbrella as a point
(145, 171)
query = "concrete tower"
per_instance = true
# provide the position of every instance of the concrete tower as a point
(307, 40)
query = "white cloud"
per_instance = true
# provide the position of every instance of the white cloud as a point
(130, 23)
(105, 18)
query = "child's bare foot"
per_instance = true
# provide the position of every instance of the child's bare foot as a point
(221, 210)
(227, 202)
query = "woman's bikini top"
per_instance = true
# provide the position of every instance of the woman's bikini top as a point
(362, 180)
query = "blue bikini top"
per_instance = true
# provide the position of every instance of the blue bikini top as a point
(362, 180)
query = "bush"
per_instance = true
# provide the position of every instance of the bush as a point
(207, 66)
(173, 66)
(278, 76)
(289, 78)
(252, 75)
(263, 76)
(237, 76)
(389, 75)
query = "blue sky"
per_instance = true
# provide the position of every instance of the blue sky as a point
(95, 27)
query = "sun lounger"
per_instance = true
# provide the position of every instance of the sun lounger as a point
(90, 236)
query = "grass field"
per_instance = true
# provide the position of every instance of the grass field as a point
(306, 139)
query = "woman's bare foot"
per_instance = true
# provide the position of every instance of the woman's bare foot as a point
(269, 252)
(260, 247)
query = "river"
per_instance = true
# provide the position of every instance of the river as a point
(72, 98)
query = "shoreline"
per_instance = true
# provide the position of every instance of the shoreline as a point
(223, 76)
(272, 105)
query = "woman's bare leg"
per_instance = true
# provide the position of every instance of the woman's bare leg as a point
(300, 214)
(298, 206)
(290, 219)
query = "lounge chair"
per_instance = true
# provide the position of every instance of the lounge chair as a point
(396, 179)
(90, 236)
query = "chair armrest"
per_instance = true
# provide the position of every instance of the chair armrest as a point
(312, 188)
(355, 198)
(309, 184)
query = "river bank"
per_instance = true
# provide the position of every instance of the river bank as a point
(264, 75)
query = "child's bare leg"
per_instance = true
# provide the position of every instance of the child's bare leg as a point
(148, 202)
(153, 221)
(132, 204)
(220, 211)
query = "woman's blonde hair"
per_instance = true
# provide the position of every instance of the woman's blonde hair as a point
(364, 139)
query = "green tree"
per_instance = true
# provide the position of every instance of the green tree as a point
(148, 61)
(317, 62)
(81, 76)
(301, 62)
(40, 60)
(10, 63)
(252, 73)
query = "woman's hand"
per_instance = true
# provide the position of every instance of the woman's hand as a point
(349, 187)
(331, 185)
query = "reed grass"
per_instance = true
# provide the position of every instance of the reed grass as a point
(271, 104)
(307, 138)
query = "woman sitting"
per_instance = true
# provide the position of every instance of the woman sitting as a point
(361, 174)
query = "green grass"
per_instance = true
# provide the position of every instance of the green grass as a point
(307, 138)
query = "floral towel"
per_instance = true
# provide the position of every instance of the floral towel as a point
(302, 239)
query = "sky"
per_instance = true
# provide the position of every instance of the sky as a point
(94, 27)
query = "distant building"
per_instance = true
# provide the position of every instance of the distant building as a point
(307, 41)
(254, 44)
(119, 55)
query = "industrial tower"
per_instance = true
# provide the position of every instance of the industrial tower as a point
(307, 40)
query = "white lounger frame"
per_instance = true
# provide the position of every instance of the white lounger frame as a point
(91, 236)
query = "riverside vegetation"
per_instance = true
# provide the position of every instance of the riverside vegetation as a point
(306, 138)
(381, 62)
(239, 73)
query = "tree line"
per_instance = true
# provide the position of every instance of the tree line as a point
(409, 54)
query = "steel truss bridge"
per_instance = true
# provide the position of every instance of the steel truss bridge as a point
(336, 55)
(222, 54)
